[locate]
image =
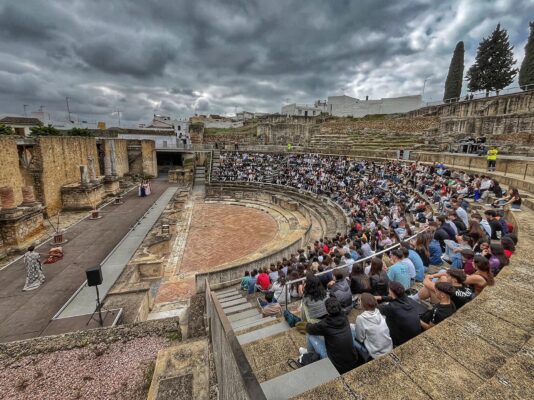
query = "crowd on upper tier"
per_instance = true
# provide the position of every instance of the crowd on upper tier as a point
(467, 250)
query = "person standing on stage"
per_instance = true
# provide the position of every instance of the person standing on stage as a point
(34, 270)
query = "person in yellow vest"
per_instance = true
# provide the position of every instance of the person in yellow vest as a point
(289, 146)
(492, 158)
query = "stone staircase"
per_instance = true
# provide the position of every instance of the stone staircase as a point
(366, 141)
(268, 343)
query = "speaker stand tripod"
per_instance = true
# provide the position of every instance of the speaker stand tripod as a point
(97, 314)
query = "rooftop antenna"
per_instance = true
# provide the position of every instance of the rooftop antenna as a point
(25, 107)
(68, 108)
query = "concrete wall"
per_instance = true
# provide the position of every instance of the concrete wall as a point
(60, 158)
(235, 378)
(9, 167)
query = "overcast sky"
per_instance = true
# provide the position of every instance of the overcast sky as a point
(177, 57)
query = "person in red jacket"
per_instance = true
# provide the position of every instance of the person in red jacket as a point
(262, 281)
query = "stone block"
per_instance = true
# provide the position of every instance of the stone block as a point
(20, 225)
(77, 197)
(112, 186)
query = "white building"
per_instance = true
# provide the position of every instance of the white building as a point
(346, 106)
(165, 122)
(21, 125)
(247, 115)
(304, 110)
(164, 139)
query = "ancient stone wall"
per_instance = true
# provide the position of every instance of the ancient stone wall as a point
(10, 174)
(507, 121)
(149, 160)
(60, 158)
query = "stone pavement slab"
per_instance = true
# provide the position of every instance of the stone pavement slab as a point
(263, 333)
(300, 380)
(244, 314)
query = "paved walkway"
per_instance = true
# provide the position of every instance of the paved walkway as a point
(83, 302)
(27, 314)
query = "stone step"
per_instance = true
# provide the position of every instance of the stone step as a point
(246, 321)
(231, 303)
(238, 308)
(244, 314)
(300, 380)
(263, 333)
(229, 297)
(257, 323)
(219, 292)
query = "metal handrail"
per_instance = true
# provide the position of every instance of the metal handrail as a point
(360, 259)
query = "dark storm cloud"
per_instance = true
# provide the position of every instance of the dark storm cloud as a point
(180, 57)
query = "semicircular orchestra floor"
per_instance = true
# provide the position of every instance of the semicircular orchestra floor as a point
(220, 233)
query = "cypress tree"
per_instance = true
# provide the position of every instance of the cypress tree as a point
(493, 67)
(453, 84)
(526, 73)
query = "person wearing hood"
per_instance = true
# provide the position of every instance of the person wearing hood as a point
(332, 337)
(340, 289)
(371, 332)
(402, 315)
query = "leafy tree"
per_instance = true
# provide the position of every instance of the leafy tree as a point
(453, 84)
(44, 131)
(6, 130)
(493, 67)
(526, 72)
(80, 132)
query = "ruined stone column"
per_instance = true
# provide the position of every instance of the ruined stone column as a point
(28, 196)
(113, 158)
(84, 175)
(107, 165)
(7, 198)
(91, 164)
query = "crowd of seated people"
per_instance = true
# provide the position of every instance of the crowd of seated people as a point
(467, 249)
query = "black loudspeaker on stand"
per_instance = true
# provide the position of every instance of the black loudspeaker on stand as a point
(94, 278)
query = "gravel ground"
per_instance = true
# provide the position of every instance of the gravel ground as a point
(115, 371)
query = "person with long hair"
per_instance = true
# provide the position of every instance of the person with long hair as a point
(508, 246)
(497, 258)
(279, 288)
(359, 282)
(313, 299)
(512, 197)
(378, 278)
(477, 234)
(421, 246)
(482, 276)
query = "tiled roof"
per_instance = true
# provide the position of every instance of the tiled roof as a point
(20, 121)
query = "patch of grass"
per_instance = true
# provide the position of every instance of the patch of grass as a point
(174, 336)
(149, 374)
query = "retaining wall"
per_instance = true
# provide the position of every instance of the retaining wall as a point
(235, 378)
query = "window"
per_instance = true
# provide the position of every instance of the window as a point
(179, 128)
(164, 144)
(20, 131)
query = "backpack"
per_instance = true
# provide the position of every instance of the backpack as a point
(305, 359)
(271, 309)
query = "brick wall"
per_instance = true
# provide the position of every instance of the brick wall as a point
(60, 160)
(9, 167)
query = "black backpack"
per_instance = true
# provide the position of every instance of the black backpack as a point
(306, 359)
